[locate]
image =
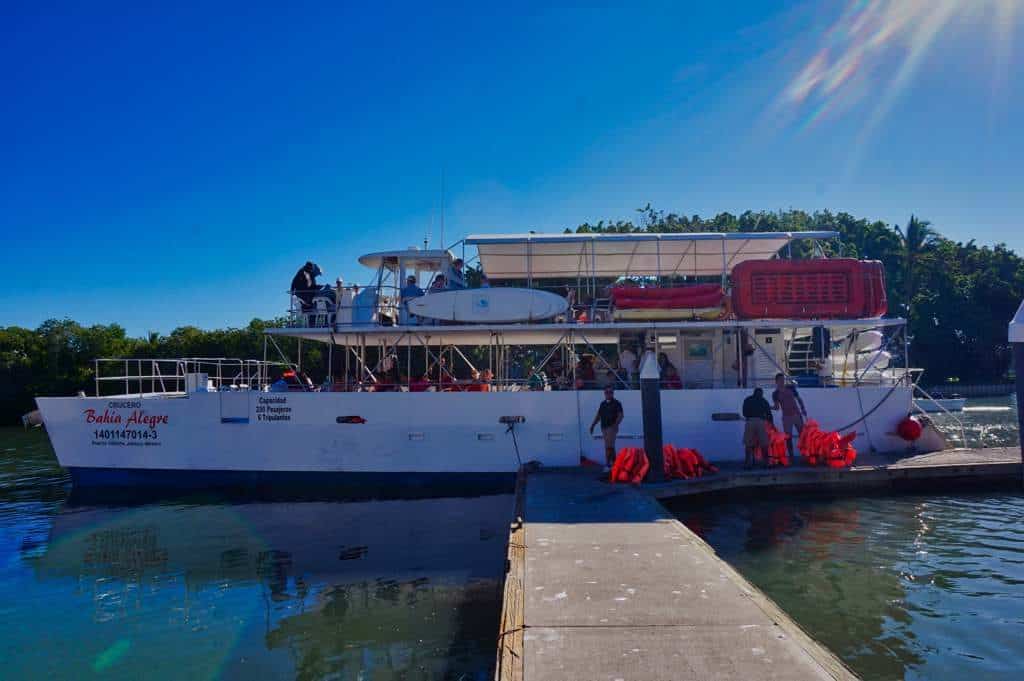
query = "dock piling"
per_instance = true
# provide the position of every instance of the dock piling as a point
(650, 407)
(1016, 338)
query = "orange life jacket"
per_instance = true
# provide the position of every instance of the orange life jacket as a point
(631, 465)
(826, 448)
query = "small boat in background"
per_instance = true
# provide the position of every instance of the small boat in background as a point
(939, 403)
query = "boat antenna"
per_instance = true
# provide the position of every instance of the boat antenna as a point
(442, 208)
(430, 228)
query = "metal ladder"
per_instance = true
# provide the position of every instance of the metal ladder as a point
(799, 355)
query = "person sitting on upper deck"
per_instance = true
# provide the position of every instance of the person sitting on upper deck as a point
(458, 279)
(411, 289)
(439, 284)
(304, 285)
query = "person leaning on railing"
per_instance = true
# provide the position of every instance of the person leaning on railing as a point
(304, 285)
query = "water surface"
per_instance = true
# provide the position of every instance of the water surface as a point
(399, 589)
(986, 421)
(916, 587)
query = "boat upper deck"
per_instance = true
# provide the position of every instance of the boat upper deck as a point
(550, 333)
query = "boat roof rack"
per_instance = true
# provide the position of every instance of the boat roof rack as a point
(432, 259)
(557, 256)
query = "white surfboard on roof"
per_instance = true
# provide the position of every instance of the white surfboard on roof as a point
(489, 305)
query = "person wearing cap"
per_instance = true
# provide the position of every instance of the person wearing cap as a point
(609, 415)
(457, 280)
(304, 285)
(411, 289)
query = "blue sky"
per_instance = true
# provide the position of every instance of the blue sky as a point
(172, 166)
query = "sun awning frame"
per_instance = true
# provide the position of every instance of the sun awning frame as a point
(558, 256)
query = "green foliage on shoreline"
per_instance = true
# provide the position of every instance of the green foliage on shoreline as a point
(57, 357)
(957, 296)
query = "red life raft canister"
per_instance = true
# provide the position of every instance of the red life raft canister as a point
(837, 288)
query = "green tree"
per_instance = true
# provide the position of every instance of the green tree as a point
(917, 241)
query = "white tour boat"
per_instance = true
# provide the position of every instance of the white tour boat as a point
(397, 405)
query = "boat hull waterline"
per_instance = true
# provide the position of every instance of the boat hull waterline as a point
(255, 438)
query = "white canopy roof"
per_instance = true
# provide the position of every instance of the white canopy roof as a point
(556, 256)
(413, 258)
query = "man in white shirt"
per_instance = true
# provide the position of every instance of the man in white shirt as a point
(627, 364)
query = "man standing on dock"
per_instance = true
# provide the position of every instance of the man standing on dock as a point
(758, 414)
(786, 398)
(610, 415)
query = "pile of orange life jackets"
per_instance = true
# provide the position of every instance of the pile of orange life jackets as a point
(631, 465)
(826, 449)
(685, 463)
(777, 453)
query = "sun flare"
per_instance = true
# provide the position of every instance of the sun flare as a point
(876, 46)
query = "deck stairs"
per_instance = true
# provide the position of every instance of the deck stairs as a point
(800, 354)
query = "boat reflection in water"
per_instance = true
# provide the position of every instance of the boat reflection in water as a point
(368, 589)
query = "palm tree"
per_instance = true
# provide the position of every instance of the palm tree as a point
(915, 242)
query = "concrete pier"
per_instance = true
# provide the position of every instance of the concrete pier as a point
(605, 584)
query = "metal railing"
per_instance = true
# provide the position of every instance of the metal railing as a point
(941, 409)
(137, 376)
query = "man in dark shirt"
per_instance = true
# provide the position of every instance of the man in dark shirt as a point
(758, 414)
(304, 284)
(609, 415)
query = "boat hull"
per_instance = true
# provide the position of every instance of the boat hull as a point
(252, 438)
(361, 485)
